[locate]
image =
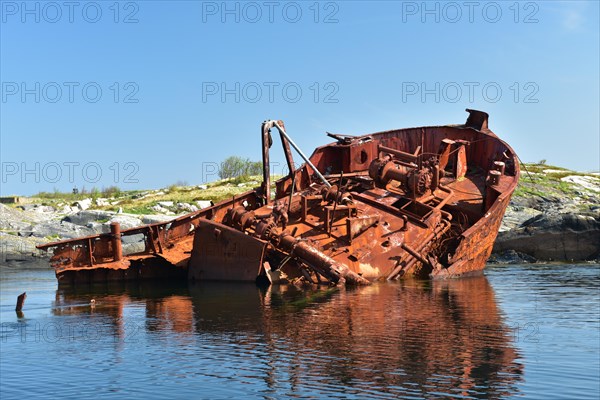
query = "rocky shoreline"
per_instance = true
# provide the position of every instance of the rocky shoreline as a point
(553, 216)
(23, 229)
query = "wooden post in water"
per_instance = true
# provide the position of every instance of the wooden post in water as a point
(20, 302)
(115, 230)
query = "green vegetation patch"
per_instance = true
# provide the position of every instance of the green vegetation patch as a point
(544, 180)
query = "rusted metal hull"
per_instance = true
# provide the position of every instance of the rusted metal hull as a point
(417, 202)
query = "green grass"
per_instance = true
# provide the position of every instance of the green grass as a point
(143, 210)
(526, 191)
(216, 191)
(546, 184)
(536, 183)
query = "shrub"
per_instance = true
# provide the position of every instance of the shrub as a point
(234, 167)
(111, 191)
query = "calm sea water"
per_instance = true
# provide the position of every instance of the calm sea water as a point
(520, 331)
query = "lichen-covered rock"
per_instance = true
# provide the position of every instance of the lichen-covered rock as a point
(515, 216)
(84, 218)
(83, 204)
(204, 204)
(57, 231)
(126, 221)
(552, 237)
(511, 257)
(153, 219)
(187, 207)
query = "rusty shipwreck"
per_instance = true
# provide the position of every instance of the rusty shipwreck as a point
(416, 202)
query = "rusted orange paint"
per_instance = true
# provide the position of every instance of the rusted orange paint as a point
(416, 202)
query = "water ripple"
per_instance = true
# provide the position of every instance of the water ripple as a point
(528, 331)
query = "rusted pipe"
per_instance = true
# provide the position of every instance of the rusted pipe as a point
(440, 230)
(292, 193)
(414, 253)
(435, 181)
(115, 230)
(266, 144)
(289, 139)
(335, 271)
(330, 222)
(20, 301)
(398, 153)
(305, 273)
(445, 199)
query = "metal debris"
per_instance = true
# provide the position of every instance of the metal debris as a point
(417, 202)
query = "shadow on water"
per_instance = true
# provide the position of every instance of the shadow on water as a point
(408, 338)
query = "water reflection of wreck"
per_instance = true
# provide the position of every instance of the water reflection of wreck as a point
(410, 338)
(415, 202)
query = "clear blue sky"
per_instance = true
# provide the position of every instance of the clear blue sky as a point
(162, 66)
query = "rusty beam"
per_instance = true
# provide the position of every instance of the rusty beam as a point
(115, 230)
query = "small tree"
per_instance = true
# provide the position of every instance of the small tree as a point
(256, 168)
(111, 191)
(234, 167)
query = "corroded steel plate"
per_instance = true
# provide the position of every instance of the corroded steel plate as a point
(223, 253)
